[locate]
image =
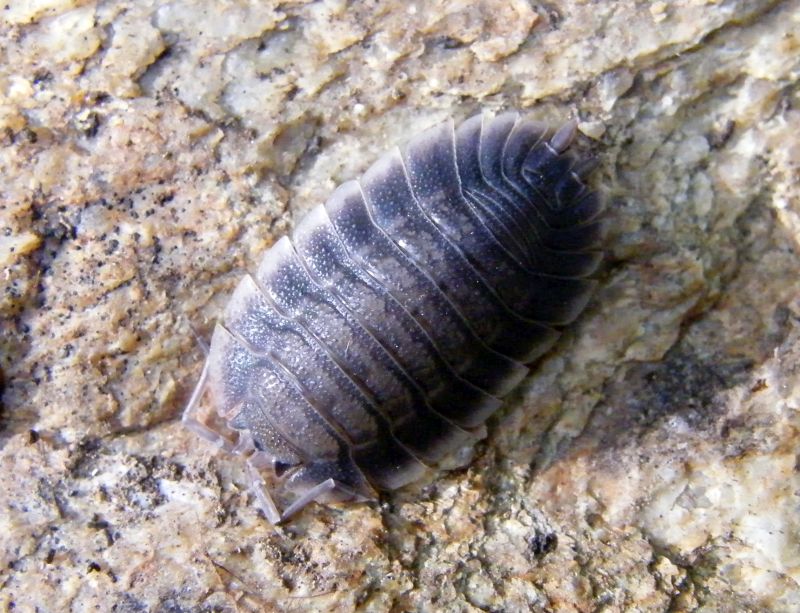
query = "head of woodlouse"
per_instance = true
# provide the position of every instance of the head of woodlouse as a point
(380, 336)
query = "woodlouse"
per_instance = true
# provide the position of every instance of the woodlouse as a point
(387, 329)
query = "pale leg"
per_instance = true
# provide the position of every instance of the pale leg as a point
(310, 496)
(316, 492)
(190, 420)
(267, 505)
(263, 499)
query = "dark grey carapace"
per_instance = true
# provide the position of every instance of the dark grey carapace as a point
(381, 335)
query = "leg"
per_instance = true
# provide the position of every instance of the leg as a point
(316, 492)
(326, 480)
(191, 421)
(263, 499)
(267, 505)
(200, 340)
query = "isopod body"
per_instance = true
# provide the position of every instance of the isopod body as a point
(382, 334)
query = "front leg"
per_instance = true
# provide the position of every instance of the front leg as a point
(191, 420)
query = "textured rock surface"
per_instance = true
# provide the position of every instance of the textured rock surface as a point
(151, 151)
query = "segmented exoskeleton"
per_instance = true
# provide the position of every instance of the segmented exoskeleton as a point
(383, 333)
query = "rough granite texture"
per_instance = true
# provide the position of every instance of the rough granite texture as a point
(150, 152)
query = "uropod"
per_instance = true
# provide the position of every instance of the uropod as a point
(381, 334)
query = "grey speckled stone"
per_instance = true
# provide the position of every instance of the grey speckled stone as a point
(151, 151)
